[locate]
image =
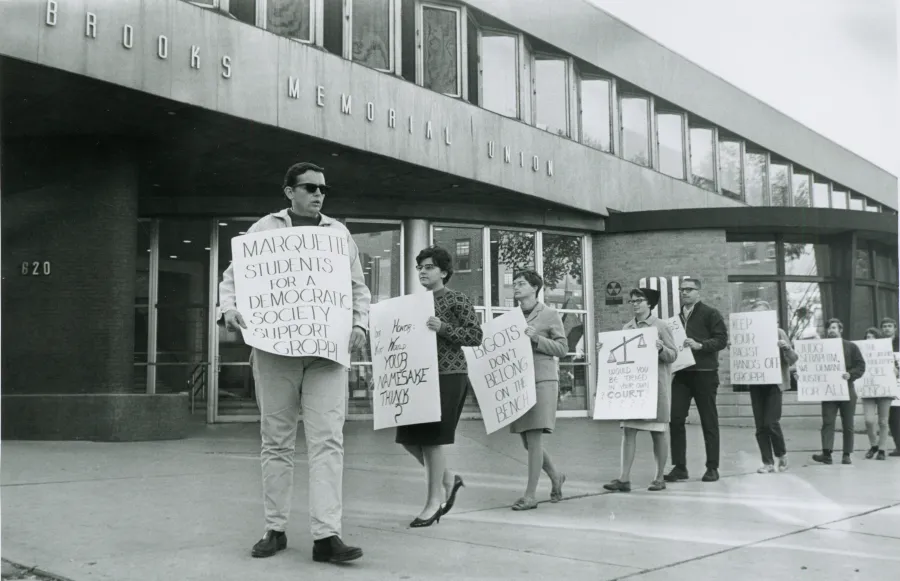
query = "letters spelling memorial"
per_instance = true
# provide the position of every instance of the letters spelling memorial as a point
(294, 290)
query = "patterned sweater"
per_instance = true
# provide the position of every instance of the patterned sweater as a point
(461, 328)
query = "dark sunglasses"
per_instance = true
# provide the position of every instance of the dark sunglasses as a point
(311, 188)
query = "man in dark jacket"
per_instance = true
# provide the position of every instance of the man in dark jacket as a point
(707, 334)
(856, 367)
(889, 330)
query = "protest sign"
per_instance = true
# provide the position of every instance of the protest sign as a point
(879, 379)
(404, 362)
(755, 356)
(820, 370)
(627, 375)
(293, 288)
(685, 355)
(501, 370)
(896, 402)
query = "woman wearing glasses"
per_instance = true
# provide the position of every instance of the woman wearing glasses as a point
(548, 341)
(457, 325)
(643, 300)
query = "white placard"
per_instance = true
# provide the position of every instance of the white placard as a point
(820, 370)
(755, 356)
(879, 379)
(293, 288)
(404, 362)
(685, 354)
(501, 370)
(627, 375)
(896, 402)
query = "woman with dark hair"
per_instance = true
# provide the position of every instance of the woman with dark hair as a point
(457, 325)
(643, 300)
(876, 410)
(548, 341)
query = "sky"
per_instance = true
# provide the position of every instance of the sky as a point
(830, 64)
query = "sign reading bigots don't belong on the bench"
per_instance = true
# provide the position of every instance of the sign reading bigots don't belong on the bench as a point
(293, 287)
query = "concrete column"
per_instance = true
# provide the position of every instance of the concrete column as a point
(416, 236)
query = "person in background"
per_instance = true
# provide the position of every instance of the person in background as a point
(707, 334)
(889, 330)
(856, 367)
(876, 410)
(548, 341)
(766, 401)
(457, 325)
(644, 300)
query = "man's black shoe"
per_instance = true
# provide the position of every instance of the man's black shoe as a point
(333, 550)
(270, 544)
(824, 458)
(711, 475)
(677, 473)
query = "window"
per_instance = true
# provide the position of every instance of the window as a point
(635, 123)
(372, 33)
(872, 206)
(511, 251)
(807, 259)
(499, 73)
(291, 18)
(863, 262)
(863, 313)
(808, 305)
(551, 95)
(243, 10)
(562, 267)
(839, 199)
(857, 202)
(886, 264)
(801, 188)
(730, 179)
(441, 56)
(746, 294)
(462, 255)
(751, 257)
(596, 120)
(702, 158)
(821, 197)
(779, 188)
(670, 141)
(380, 256)
(755, 178)
(508, 279)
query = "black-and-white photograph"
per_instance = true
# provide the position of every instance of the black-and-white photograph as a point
(437, 290)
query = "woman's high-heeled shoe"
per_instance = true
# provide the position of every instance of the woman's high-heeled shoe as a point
(457, 484)
(435, 518)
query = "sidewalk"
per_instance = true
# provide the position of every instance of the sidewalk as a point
(191, 509)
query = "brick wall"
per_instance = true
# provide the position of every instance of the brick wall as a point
(72, 204)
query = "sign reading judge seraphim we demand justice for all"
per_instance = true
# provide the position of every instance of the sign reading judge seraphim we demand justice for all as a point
(627, 375)
(820, 370)
(293, 287)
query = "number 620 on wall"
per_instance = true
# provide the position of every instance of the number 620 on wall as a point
(36, 268)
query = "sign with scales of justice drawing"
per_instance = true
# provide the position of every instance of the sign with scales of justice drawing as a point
(627, 375)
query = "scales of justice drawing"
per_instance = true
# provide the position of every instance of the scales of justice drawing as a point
(623, 347)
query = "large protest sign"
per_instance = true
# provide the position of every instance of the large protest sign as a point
(501, 370)
(896, 402)
(293, 287)
(404, 362)
(879, 379)
(685, 355)
(627, 375)
(755, 356)
(820, 370)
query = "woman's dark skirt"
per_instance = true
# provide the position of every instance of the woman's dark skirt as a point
(453, 398)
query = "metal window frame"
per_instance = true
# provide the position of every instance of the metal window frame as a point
(682, 116)
(461, 45)
(394, 26)
(569, 70)
(649, 98)
(714, 147)
(490, 31)
(809, 184)
(812, 192)
(748, 151)
(581, 78)
(741, 149)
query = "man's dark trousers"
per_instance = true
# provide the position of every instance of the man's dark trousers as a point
(702, 387)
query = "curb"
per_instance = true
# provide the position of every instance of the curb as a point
(35, 571)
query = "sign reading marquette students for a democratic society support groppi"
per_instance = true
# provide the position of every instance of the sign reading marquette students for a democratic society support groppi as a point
(293, 287)
(627, 375)
(501, 370)
(879, 379)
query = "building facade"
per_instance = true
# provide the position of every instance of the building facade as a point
(138, 138)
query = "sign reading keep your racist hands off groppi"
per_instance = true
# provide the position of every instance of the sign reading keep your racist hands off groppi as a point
(293, 287)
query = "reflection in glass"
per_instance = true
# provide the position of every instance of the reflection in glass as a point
(562, 271)
(441, 50)
(671, 144)
(886, 265)
(807, 259)
(801, 189)
(500, 92)
(863, 313)
(857, 202)
(730, 169)
(551, 95)
(142, 294)
(465, 246)
(755, 178)
(745, 294)
(379, 254)
(821, 195)
(702, 168)
(863, 263)
(372, 33)
(595, 114)
(779, 188)
(872, 206)
(572, 383)
(511, 251)
(808, 304)
(636, 130)
(887, 303)
(756, 257)
(839, 199)
(289, 18)
(243, 10)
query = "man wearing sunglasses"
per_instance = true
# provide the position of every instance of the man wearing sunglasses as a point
(707, 334)
(318, 385)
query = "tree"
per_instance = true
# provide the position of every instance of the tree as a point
(562, 255)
